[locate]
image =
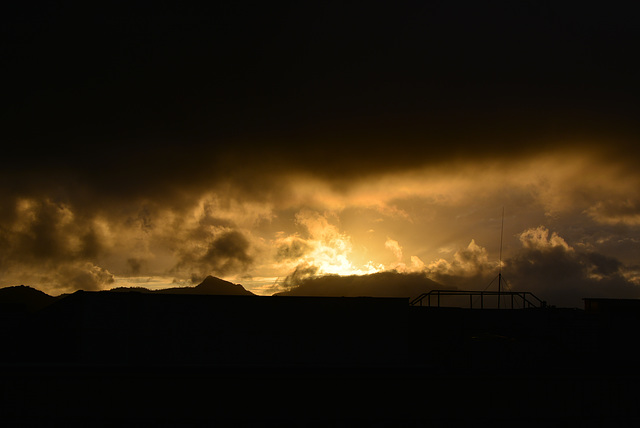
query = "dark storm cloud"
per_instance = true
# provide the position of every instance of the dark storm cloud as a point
(562, 274)
(230, 245)
(564, 278)
(128, 102)
(292, 250)
(46, 242)
(47, 232)
(227, 252)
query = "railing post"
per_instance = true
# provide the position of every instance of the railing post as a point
(438, 298)
(470, 301)
(481, 300)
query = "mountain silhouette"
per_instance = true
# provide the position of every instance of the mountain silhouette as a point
(23, 299)
(381, 284)
(211, 285)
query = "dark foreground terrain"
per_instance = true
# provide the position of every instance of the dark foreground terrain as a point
(141, 359)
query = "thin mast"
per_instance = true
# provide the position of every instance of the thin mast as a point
(500, 272)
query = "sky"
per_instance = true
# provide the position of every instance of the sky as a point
(153, 144)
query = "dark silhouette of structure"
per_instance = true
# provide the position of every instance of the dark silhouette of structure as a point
(519, 299)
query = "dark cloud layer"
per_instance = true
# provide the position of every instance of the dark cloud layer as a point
(135, 99)
(226, 252)
(40, 232)
(564, 278)
(382, 284)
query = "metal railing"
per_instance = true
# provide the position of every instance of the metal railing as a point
(524, 298)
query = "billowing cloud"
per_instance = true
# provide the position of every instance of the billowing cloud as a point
(539, 239)
(83, 277)
(321, 249)
(46, 241)
(394, 247)
(60, 246)
(46, 231)
(549, 267)
(469, 268)
(562, 275)
(399, 265)
(225, 252)
(292, 248)
(545, 264)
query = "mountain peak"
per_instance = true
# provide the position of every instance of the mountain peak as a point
(214, 285)
(210, 285)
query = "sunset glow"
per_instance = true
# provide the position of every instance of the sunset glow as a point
(347, 142)
(443, 221)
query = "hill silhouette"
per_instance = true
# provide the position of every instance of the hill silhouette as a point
(23, 299)
(381, 284)
(211, 286)
(140, 348)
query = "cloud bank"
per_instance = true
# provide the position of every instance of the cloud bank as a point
(545, 265)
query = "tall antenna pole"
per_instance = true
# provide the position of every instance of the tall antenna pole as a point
(500, 273)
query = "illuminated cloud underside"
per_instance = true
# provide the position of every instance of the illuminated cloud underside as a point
(443, 221)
